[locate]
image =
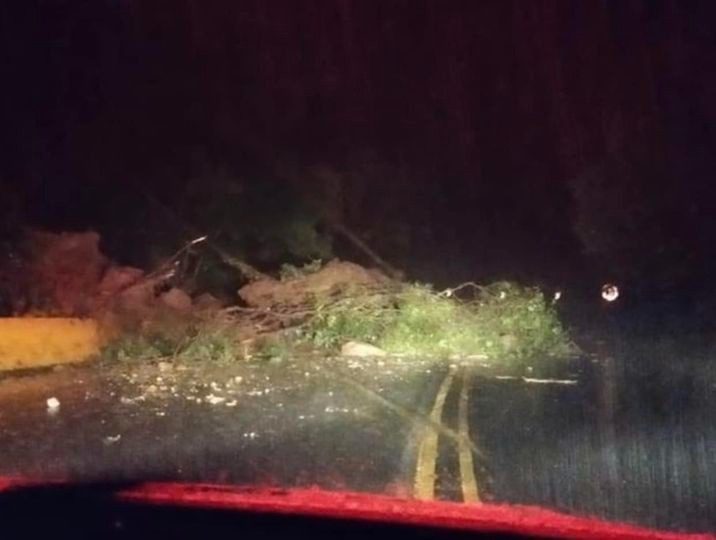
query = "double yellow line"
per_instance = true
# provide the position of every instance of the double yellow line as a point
(426, 467)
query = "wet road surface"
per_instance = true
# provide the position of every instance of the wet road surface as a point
(290, 423)
(582, 443)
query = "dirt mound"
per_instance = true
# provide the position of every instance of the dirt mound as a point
(64, 271)
(335, 278)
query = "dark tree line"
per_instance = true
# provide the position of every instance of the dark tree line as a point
(478, 138)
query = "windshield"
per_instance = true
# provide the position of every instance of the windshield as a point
(436, 250)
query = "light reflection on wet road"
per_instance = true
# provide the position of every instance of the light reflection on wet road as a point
(361, 425)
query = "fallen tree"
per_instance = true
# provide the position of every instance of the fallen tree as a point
(318, 308)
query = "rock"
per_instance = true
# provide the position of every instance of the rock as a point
(177, 300)
(262, 293)
(115, 281)
(165, 367)
(336, 277)
(53, 404)
(356, 348)
(118, 278)
(136, 301)
(207, 302)
(214, 400)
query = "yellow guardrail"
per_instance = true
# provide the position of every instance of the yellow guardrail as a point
(29, 342)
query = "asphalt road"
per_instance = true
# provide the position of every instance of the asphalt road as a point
(336, 424)
(391, 426)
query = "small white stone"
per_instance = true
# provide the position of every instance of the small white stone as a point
(53, 404)
(356, 348)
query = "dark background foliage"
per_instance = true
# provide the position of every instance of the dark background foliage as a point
(549, 141)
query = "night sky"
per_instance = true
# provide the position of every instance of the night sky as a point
(545, 140)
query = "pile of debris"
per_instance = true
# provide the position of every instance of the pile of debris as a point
(67, 275)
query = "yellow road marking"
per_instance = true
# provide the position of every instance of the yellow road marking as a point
(408, 414)
(425, 474)
(470, 492)
(425, 477)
